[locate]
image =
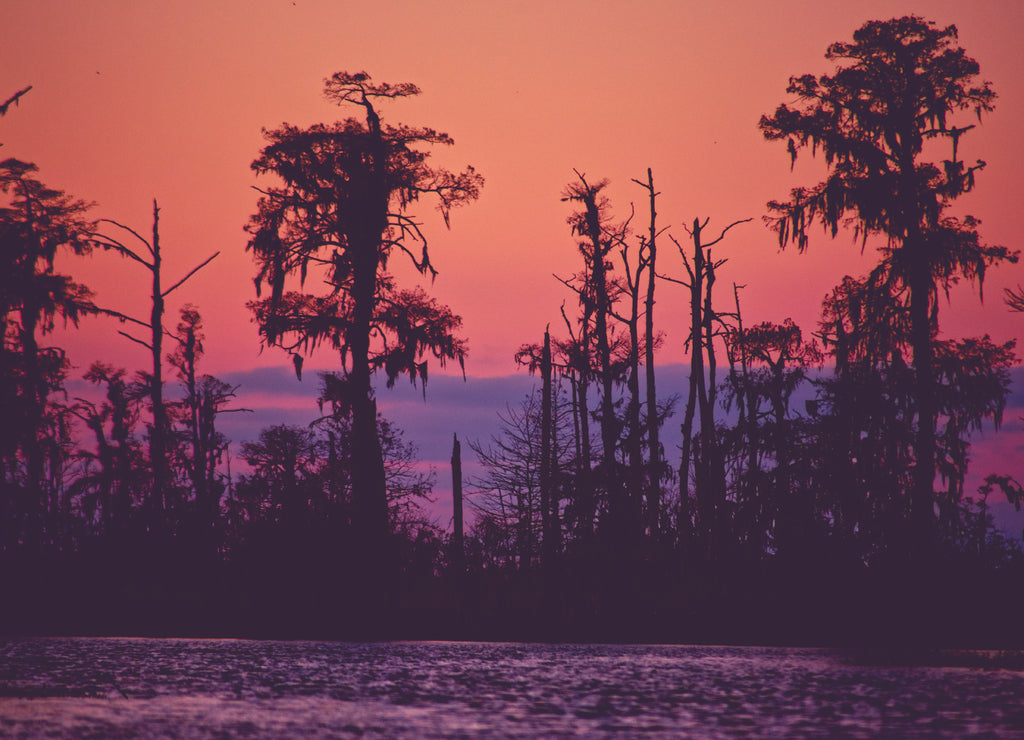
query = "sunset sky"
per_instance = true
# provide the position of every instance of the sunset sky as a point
(139, 100)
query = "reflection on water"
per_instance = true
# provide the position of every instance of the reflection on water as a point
(216, 688)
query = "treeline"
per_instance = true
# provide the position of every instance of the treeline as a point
(826, 466)
(758, 475)
(119, 509)
(817, 494)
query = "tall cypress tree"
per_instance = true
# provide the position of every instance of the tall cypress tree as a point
(897, 86)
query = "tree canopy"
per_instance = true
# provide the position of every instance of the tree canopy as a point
(342, 207)
(897, 94)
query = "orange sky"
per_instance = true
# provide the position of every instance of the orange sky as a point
(136, 100)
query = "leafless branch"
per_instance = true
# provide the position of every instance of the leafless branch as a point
(722, 235)
(672, 280)
(137, 341)
(13, 100)
(190, 274)
(131, 231)
(106, 242)
(1014, 298)
(121, 317)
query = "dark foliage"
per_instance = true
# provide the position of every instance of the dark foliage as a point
(342, 208)
(820, 495)
(900, 85)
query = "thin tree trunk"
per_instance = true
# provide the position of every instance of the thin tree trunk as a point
(158, 435)
(634, 443)
(748, 423)
(587, 504)
(711, 459)
(548, 505)
(587, 497)
(616, 509)
(458, 554)
(695, 389)
(653, 422)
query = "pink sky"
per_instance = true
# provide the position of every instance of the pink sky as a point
(139, 100)
(133, 101)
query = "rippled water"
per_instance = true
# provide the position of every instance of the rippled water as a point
(114, 688)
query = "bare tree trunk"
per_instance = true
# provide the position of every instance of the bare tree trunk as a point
(157, 505)
(708, 463)
(586, 499)
(198, 473)
(369, 496)
(548, 501)
(654, 463)
(748, 423)
(609, 434)
(696, 382)
(458, 554)
(712, 465)
(158, 434)
(634, 442)
(587, 503)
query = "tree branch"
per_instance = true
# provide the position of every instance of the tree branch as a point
(722, 235)
(122, 317)
(133, 233)
(13, 100)
(193, 272)
(105, 242)
(137, 341)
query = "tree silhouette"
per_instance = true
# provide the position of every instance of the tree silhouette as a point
(551, 522)
(508, 493)
(301, 483)
(35, 223)
(705, 518)
(108, 490)
(752, 506)
(160, 431)
(571, 360)
(633, 485)
(205, 399)
(1014, 298)
(13, 100)
(656, 467)
(285, 464)
(598, 291)
(343, 208)
(897, 87)
(777, 356)
(576, 364)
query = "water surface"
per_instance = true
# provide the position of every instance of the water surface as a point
(103, 687)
